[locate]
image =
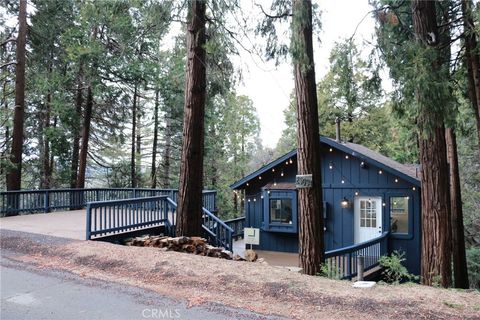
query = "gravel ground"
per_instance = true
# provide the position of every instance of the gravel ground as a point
(257, 287)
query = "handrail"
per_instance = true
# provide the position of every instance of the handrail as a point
(355, 247)
(44, 200)
(216, 231)
(238, 225)
(342, 263)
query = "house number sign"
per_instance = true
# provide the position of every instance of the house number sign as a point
(303, 181)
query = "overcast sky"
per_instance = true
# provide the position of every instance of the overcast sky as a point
(270, 87)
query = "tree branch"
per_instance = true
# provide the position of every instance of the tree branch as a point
(278, 16)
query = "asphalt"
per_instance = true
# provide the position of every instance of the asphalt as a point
(27, 292)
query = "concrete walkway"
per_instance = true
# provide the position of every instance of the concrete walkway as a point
(65, 224)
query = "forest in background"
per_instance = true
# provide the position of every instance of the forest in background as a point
(114, 67)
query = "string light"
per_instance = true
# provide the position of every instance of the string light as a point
(383, 204)
(273, 170)
(413, 189)
(330, 166)
(268, 191)
(291, 161)
(346, 157)
(380, 172)
(259, 177)
(274, 183)
(281, 174)
(261, 197)
(343, 181)
(286, 162)
(254, 199)
(356, 193)
(247, 184)
(396, 180)
(248, 200)
(331, 150)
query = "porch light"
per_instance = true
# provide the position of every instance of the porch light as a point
(344, 203)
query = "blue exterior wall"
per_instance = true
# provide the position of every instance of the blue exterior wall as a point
(339, 222)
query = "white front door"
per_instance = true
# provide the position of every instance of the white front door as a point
(368, 218)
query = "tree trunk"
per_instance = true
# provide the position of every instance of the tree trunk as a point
(167, 153)
(76, 131)
(435, 195)
(14, 176)
(472, 61)
(133, 174)
(311, 242)
(153, 173)
(138, 149)
(46, 177)
(189, 213)
(458, 237)
(85, 137)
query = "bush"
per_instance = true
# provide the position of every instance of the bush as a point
(473, 263)
(395, 272)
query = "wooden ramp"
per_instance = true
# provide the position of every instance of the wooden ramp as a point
(65, 224)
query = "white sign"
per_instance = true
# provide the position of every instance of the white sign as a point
(252, 235)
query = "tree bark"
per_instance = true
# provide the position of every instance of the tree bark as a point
(472, 61)
(138, 149)
(85, 137)
(167, 153)
(435, 195)
(153, 173)
(311, 241)
(76, 131)
(133, 173)
(14, 176)
(458, 237)
(189, 213)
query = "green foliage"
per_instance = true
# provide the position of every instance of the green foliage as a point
(395, 272)
(330, 271)
(473, 264)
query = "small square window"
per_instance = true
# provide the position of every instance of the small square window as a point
(399, 215)
(281, 211)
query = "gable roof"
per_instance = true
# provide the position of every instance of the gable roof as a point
(407, 172)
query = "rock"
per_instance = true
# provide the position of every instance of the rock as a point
(251, 255)
(237, 257)
(225, 254)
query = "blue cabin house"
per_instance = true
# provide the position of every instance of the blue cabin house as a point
(365, 196)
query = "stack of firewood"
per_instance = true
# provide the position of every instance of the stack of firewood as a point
(195, 245)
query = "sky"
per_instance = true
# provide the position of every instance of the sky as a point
(270, 87)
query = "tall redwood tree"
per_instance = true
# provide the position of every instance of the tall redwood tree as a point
(14, 176)
(435, 193)
(189, 211)
(311, 241)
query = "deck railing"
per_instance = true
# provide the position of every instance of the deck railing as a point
(105, 218)
(216, 231)
(237, 225)
(342, 263)
(31, 201)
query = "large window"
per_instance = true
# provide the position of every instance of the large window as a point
(399, 214)
(281, 211)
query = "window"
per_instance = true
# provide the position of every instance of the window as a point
(368, 213)
(281, 211)
(399, 214)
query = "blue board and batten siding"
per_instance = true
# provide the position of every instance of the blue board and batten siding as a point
(339, 222)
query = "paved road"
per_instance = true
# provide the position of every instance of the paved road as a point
(28, 293)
